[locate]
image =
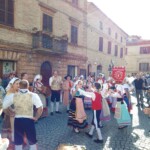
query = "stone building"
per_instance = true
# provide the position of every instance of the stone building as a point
(40, 36)
(138, 55)
(106, 41)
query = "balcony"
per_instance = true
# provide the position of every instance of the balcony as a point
(45, 42)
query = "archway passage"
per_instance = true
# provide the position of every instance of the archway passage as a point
(89, 69)
(99, 69)
(46, 72)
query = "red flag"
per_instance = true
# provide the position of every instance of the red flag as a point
(118, 74)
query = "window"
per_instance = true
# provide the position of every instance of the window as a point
(116, 50)
(75, 2)
(72, 71)
(116, 35)
(100, 43)
(109, 31)
(145, 50)
(47, 23)
(126, 51)
(7, 12)
(121, 52)
(8, 67)
(101, 25)
(83, 72)
(121, 39)
(46, 41)
(99, 69)
(74, 35)
(89, 69)
(109, 47)
(144, 67)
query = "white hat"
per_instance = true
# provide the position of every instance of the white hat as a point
(126, 79)
(82, 77)
(11, 82)
(101, 74)
(120, 88)
(38, 76)
(109, 79)
(105, 86)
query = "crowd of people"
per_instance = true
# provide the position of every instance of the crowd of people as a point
(23, 103)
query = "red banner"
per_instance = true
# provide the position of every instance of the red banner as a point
(118, 74)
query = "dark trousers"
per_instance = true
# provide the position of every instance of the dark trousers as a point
(96, 118)
(139, 96)
(55, 96)
(24, 126)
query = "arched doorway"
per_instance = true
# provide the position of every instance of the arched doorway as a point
(46, 72)
(99, 69)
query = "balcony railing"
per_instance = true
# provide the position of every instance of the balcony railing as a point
(44, 42)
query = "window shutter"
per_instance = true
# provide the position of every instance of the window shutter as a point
(44, 21)
(2, 4)
(121, 53)
(100, 43)
(49, 23)
(116, 50)
(10, 6)
(139, 66)
(109, 47)
(74, 35)
(7, 12)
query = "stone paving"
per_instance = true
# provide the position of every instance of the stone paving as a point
(53, 130)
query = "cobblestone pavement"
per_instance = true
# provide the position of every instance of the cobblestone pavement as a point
(53, 130)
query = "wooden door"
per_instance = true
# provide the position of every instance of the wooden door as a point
(46, 72)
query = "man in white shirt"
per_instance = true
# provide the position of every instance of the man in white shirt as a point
(55, 83)
(24, 120)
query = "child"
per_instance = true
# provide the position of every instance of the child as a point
(96, 107)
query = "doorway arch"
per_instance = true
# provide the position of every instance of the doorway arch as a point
(99, 69)
(89, 69)
(46, 72)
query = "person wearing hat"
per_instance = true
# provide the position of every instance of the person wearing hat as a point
(100, 79)
(55, 83)
(67, 85)
(8, 121)
(38, 88)
(23, 102)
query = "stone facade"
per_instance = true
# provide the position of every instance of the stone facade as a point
(16, 42)
(98, 26)
(138, 56)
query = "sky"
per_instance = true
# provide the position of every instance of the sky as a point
(132, 16)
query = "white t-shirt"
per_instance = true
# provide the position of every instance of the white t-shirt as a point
(8, 100)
